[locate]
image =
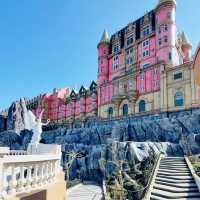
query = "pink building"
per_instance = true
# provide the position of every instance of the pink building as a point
(129, 63)
(144, 67)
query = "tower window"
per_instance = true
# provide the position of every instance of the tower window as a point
(160, 42)
(170, 55)
(165, 27)
(166, 39)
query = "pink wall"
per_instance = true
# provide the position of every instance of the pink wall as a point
(114, 72)
(149, 80)
(151, 58)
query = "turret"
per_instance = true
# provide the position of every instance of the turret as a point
(186, 48)
(103, 62)
(166, 32)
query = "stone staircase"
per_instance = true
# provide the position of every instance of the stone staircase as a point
(174, 181)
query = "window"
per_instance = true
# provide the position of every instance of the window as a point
(129, 40)
(129, 51)
(116, 48)
(145, 43)
(142, 106)
(110, 112)
(166, 39)
(178, 76)
(145, 53)
(129, 61)
(115, 62)
(178, 99)
(125, 110)
(160, 41)
(170, 56)
(165, 27)
(146, 30)
(159, 30)
(104, 52)
(146, 65)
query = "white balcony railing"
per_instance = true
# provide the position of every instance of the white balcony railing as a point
(25, 173)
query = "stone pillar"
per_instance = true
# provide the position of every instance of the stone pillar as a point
(132, 106)
(163, 91)
(116, 109)
(193, 87)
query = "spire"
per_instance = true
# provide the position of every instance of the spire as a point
(105, 37)
(185, 40)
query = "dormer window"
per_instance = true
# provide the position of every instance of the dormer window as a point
(146, 31)
(129, 40)
(116, 48)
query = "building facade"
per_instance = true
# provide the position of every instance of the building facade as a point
(146, 67)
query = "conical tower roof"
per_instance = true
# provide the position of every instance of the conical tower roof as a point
(185, 40)
(165, 1)
(104, 37)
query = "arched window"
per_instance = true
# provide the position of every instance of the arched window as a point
(179, 99)
(125, 109)
(142, 106)
(110, 112)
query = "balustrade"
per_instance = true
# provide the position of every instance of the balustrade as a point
(23, 173)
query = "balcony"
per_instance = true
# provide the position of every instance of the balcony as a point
(23, 173)
(130, 95)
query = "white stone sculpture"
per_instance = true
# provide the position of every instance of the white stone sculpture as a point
(33, 123)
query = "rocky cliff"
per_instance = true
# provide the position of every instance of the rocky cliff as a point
(131, 140)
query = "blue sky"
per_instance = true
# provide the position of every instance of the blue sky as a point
(46, 43)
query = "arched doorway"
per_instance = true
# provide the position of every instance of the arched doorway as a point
(142, 106)
(125, 110)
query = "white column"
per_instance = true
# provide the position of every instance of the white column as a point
(21, 180)
(35, 175)
(1, 180)
(29, 177)
(13, 181)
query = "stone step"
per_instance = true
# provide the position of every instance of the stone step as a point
(172, 195)
(161, 198)
(174, 174)
(176, 177)
(174, 189)
(174, 163)
(174, 168)
(176, 184)
(173, 171)
(169, 180)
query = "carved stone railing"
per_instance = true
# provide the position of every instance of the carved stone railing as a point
(26, 173)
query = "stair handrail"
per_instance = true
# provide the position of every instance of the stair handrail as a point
(149, 185)
(194, 175)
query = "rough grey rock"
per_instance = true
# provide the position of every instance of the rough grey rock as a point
(15, 141)
(2, 123)
(15, 120)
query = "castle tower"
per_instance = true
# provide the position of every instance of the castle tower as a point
(103, 62)
(186, 48)
(166, 32)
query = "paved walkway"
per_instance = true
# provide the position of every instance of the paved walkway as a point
(87, 191)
